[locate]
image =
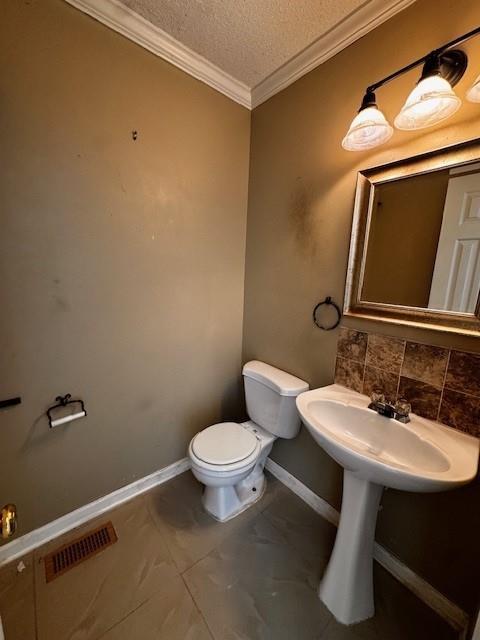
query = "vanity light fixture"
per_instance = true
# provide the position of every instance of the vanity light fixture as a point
(473, 94)
(369, 128)
(431, 101)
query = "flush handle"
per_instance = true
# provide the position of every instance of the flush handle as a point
(9, 520)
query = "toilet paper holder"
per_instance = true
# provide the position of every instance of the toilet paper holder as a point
(63, 401)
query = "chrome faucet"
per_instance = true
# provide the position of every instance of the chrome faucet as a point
(400, 410)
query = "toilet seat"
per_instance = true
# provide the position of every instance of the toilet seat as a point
(225, 444)
(225, 470)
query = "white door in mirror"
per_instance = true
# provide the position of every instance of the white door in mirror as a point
(456, 275)
(376, 452)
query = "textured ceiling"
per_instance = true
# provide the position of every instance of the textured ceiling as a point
(249, 39)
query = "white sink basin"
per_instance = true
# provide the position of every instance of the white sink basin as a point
(376, 452)
(419, 456)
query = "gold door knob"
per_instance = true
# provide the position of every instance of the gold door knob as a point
(9, 520)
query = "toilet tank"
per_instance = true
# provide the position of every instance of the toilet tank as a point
(270, 395)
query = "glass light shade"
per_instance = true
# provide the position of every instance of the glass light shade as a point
(431, 101)
(369, 129)
(473, 94)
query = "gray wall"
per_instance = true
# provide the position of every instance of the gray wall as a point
(301, 194)
(122, 262)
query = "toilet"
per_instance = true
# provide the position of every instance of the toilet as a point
(229, 457)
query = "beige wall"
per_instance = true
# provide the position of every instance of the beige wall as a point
(301, 193)
(122, 262)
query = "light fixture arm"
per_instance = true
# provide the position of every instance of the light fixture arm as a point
(441, 53)
(369, 100)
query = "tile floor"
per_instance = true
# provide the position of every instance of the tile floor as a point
(176, 574)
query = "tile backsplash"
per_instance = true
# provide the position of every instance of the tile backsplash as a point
(440, 383)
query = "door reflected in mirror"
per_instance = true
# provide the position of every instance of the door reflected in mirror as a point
(424, 241)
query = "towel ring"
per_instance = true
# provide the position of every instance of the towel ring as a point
(328, 301)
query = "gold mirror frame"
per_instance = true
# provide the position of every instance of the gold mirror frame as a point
(463, 323)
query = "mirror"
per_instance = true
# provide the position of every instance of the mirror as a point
(415, 249)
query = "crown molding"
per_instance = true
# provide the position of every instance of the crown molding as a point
(120, 18)
(369, 16)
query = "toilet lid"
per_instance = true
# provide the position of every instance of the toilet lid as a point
(224, 443)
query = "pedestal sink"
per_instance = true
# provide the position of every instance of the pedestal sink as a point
(376, 452)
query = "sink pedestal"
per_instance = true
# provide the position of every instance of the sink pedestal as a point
(347, 586)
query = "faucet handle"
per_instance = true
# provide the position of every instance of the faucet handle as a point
(402, 410)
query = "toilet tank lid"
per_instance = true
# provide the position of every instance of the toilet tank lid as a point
(280, 381)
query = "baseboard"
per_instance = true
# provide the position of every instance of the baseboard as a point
(449, 611)
(37, 537)
(318, 504)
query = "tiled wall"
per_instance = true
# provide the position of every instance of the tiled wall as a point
(441, 384)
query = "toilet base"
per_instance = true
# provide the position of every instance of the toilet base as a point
(225, 503)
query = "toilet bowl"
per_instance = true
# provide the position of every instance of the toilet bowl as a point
(229, 457)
